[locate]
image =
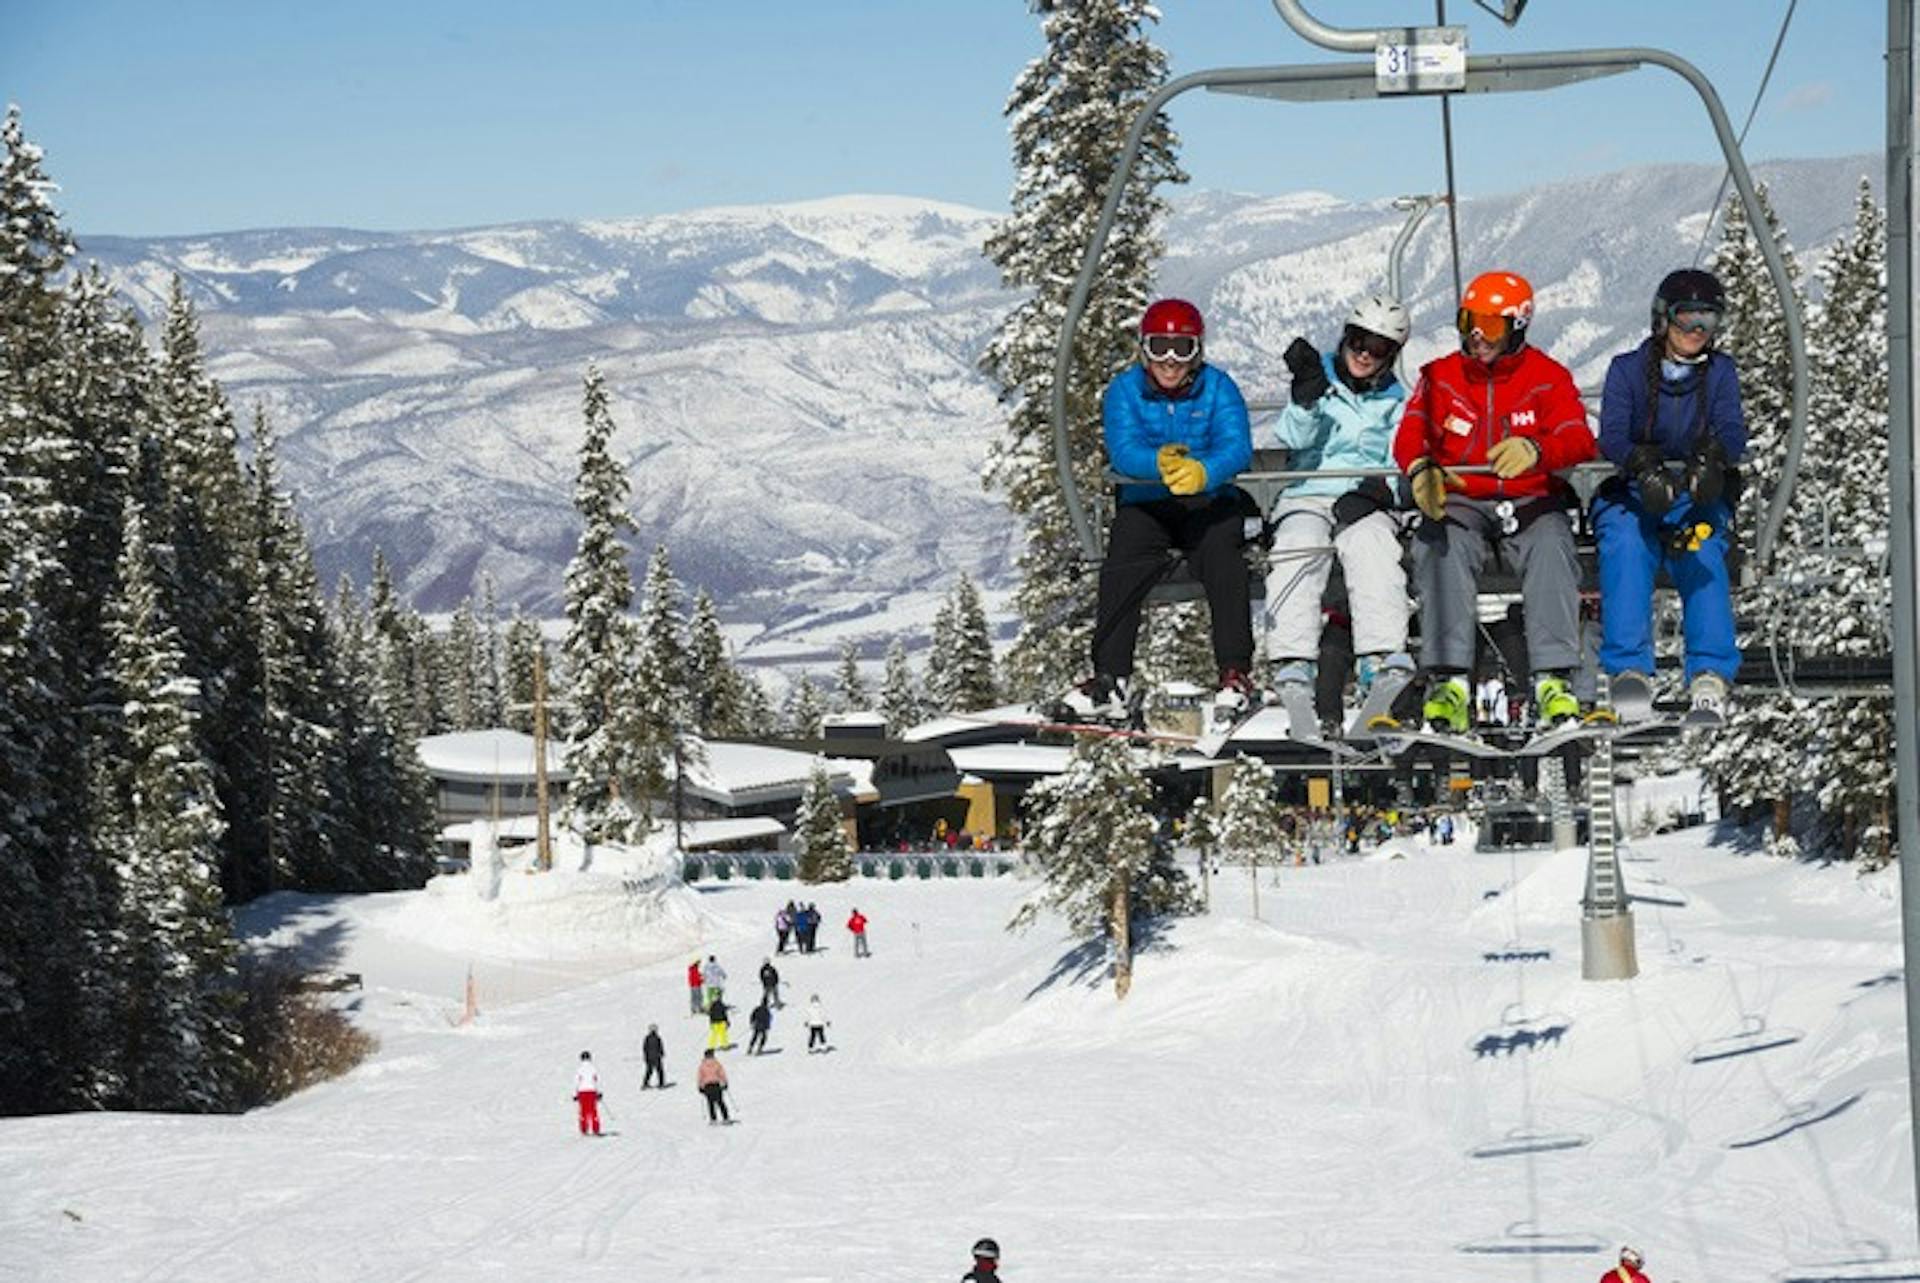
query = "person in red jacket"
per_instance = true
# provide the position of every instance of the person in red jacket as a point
(858, 925)
(1512, 413)
(1628, 1271)
(696, 988)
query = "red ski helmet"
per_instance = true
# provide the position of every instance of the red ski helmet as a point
(1172, 330)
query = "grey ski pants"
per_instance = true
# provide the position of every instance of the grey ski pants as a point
(1447, 559)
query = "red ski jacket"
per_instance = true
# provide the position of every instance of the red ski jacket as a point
(1623, 1274)
(693, 976)
(857, 924)
(1460, 407)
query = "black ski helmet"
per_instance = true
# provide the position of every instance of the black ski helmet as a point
(586, 1055)
(987, 1249)
(1688, 286)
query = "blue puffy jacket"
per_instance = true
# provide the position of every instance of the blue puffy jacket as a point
(1208, 416)
(1343, 429)
(1623, 407)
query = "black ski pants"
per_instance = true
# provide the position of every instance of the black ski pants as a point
(757, 1043)
(716, 1102)
(654, 1067)
(1208, 530)
(816, 1036)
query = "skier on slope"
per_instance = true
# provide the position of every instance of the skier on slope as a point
(654, 1052)
(1173, 416)
(1628, 1270)
(986, 1263)
(817, 1023)
(1501, 403)
(711, 1082)
(770, 983)
(1670, 419)
(716, 978)
(696, 988)
(586, 1093)
(717, 1016)
(1343, 411)
(761, 1019)
(857, 924)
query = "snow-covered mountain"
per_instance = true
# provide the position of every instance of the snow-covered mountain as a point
(796, 385)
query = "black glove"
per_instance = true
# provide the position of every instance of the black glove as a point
(1308, 371)
(1361, 502)
(1707, 471)
(1648, 466)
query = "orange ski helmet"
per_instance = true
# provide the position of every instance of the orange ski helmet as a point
(1499, 307)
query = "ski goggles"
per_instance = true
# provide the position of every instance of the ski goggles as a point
(1492, 328)
(1180, 348)
(1377, 346)
(1694, 320)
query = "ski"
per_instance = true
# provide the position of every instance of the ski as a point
(1631, 696)
(1594, 725)
(1399, 739)
(1214, 742)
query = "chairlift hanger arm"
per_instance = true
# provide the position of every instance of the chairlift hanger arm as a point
(1500, 73)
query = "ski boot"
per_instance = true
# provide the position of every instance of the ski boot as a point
(1236, 697)
(1447, 706)
(1099, 701)
(1708, 694)
(1293, 691)
(1554, 701)
(1381, 679)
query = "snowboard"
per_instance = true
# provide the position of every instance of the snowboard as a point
(1381, 696)
(1632, 697)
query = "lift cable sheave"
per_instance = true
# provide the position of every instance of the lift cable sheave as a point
(1489, 74)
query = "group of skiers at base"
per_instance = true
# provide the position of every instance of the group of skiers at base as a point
(802, 923)
(1478, 442)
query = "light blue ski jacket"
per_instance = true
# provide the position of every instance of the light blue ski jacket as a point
(1343, 429)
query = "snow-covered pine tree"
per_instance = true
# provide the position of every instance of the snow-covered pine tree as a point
(386, 801)
(1069, 113)
(819, 833)
(850, 693)
(900, 699)
(1091, 831)
(1753, 759)
(460, 668)
(960, 667)
(300, 687)
(1847, 588)
(660, 693)
(523, 644)
(804, 709)
(178, 1044)
(489, 697)
(1177, 647)
(599, 592)
(213, 543)
(1203, 835)
(1250, 820)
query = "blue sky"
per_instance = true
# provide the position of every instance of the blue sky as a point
(175, 116)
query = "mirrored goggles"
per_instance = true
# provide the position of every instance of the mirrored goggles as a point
(1694, 320)
(1377, 346)
(1180, 348)
(1492, 328)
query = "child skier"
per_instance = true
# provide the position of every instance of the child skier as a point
(712, 1083)
(817, 1023)
(1670, 419)
(586, 1093)
(1507, 406)
(1173, 416)
(1342, 416)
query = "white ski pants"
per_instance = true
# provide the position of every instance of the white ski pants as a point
(1304, 547)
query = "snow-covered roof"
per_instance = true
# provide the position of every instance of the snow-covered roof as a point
(1008, 717)
(987, 760)
(863, 720)
(497, 754)
(697, 834)
(734, 773)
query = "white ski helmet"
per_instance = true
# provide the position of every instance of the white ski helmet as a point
(1378, 314)
(1631, 1256)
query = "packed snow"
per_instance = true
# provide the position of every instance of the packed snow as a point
(1298, 1095)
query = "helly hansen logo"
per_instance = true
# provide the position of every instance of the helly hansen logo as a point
(1523, 418)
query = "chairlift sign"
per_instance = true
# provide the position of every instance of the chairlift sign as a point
(1420, 60)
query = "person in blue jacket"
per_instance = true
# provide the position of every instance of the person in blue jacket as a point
(1670, 419)
(1173, 416)
(1344, 407)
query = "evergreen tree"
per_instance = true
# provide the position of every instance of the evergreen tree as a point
(804, 709)
(722, 705)
(850, 693)
(819, 835)
(1178, 647)
(758, 717)
(523, 644)
(462, 669)
(602, 756)
(489, 699)
(386, 801)
(960, 668)
(900, 691)
(178, 1046)
(660, 696)
(1069, 114)
(1250, 820)
(1091, 832)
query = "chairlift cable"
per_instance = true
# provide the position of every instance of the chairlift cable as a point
(1713, 210)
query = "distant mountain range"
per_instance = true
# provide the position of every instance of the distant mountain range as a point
(795, 385)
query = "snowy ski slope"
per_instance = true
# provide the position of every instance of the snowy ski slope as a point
(1298, 1097)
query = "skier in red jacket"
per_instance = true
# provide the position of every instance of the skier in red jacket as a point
(1501, 404)
(1628, 1271)
(696, 988)
(858, 925)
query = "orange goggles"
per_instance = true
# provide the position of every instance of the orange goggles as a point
(1492, 328)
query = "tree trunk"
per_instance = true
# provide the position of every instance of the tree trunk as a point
(1253, 876)
(1782, 816)
(1121, 927)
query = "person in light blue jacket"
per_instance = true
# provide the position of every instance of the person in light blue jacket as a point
(1173, 416)
(1345, 407)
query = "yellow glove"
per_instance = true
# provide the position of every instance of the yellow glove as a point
(1166, 458)
(1430, 484)
(1186, 476)
(1511, 456)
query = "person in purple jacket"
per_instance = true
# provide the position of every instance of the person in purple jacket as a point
(1173, 416)
(1670, 419)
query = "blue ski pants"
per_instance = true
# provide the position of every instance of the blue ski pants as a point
(1633, 548)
